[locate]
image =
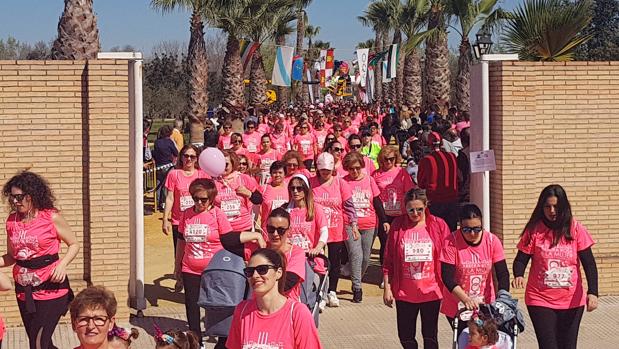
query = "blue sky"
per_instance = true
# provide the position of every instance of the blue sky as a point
(135, 23)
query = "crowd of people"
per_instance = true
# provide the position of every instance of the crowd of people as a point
(309, 180)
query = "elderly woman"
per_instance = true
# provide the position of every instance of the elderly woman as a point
(93, 313)
(293, 161)
(35, 230)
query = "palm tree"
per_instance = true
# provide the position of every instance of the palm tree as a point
(377, 17)
(310, 33)
(78, 35)
(469, 13)
(437, 73)
(369, 43)
(547, 30)
(414, 18)
(197, 62)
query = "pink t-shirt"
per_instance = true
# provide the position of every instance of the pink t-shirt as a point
(264, 162)
(393, 185)
(351, 130)
(201, 232)
(305, 145)
(280, 142)
(303, 233)
(251, 141)
(178, 183)
(291, 327)
(462, 125)
(320, 138)
(295, 263)
(473, 268)
(416, 280)
(363, 193)
(224, 141)
(331, 197)
(263, 129)
(272, 198)
(378, 139)
(236, 208)
(36, 238)
(554, 279)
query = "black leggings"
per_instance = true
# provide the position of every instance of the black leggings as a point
(191, 284)
(335, 260)
(382, 237)
(407, 323)
(556, 329)
(43, 320)
(175, 236)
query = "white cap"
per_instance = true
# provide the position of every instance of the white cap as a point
(325, 161)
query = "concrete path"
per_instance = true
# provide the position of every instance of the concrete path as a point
(351, 326)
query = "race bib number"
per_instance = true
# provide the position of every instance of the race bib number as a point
(417, 252)
(196, 233)
(186, 202)
(558, 277)
(252, 148)
(231, 208)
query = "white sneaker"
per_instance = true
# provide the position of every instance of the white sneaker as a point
(322, 305)
(332, 300)
(382, 284)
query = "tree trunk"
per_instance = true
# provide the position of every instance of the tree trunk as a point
(257, 81)
(283, 93)
(198, 83)
(232, 77)
(378, 71)
(398, 82)
(437, 60)
(78, 35)
(412, 79)
(463, 81)
(297, 86)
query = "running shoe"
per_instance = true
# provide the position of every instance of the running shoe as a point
(332, 300)
(357, 296)
(322, 305)
(382, 284)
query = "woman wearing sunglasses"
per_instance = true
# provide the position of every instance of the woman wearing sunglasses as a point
(335, 197)
(270, 319)
(245, 165)
(294, 165)
(355, 145)
(412, 270)
(225, 136)
(393, 182)
(467, 260)
(336, 149)
(178, 199)
(305, 144)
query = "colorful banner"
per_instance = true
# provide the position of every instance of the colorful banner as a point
(323, 66)
(362, 61)
(282, 68)
(385, 77)
(248, 48)
(392, 61)
(329, 64)
(374, 58)
(297, 68)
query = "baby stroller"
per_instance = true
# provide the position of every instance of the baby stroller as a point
(223, 286)
(504, 310)
(313, 287)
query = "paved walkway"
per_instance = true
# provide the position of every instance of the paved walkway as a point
(352, 326)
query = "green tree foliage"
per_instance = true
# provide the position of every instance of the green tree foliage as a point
(604, 31)
(12, 48)
(166, 87)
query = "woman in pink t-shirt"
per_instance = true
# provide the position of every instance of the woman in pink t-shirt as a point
(178, 198)
(366, 199)
(294, 165)
(279, 139)
(334, 195)
(412, 270)
(236, 194)
(557, 244)
(321, 134)
(394, 182)
(336, 149)
(200, 227)
(467, 259)
(270, 319)
(274, 193)
(34, 230)
(225, 141)
(266, 157)
(305, 144)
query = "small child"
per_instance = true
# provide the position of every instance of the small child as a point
(120, 338)
(175, 339)
(483, 332)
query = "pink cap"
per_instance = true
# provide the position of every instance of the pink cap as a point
(325, 161)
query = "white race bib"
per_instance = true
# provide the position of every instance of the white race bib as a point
(196, 233)
(252, 148)
(231, 207)
(417, 252)
(186, 202)
(558, 277)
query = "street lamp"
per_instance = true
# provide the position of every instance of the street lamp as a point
(483, 43)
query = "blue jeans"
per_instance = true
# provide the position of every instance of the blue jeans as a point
(359, 254)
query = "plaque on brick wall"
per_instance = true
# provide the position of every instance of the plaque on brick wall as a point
(482, 161)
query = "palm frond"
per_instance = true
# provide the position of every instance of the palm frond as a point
(415, 41)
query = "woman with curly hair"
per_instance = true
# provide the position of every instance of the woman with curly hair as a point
(34, 231)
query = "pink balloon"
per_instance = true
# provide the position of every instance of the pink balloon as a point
(212, 161)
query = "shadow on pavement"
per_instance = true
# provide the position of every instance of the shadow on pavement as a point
(156, 291)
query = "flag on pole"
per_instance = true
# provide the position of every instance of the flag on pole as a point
(370, 83)
(283, 66)
(248, 48)
(297, 68)
(311, 87)
(392, 61)
(374, 58)
(362, 60)
(385, 77)
(329, 64)
(323, 67)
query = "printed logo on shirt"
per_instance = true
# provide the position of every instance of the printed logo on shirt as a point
(329, 205)
(26, 277)
(391, 202)
(262, 343)
(361, 201)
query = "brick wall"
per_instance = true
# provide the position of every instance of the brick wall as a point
(69, 121)
(556, 123)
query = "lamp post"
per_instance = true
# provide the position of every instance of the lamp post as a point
(483, 43)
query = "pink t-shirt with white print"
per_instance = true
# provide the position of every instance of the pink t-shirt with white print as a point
(305, 145)
(264, 162)
(272, 198)
(291, 327)
(251, 141)
(416, 280)
(554, 279)
(393, 185)
(33, 239)
(237, 208)
(321, 136)
(331, 197)
(178, 183)
(201, 231)
(224, 141)
(473, 268)
(280, 142)
(363, 193)
(306, 234)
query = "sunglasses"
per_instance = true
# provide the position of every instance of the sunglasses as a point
(290, 164)
(243, 163)
(237, 142)
(391, 159)
(415, 210)
(190, 157)
(227, 128)
(251, 127)
(294, 188)
(203, 201)
(354, 168)
(262, 269)
(355, 146)
(338, 149)
(17, 197)
(280, 231)
(304, 127)
(470, 230)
